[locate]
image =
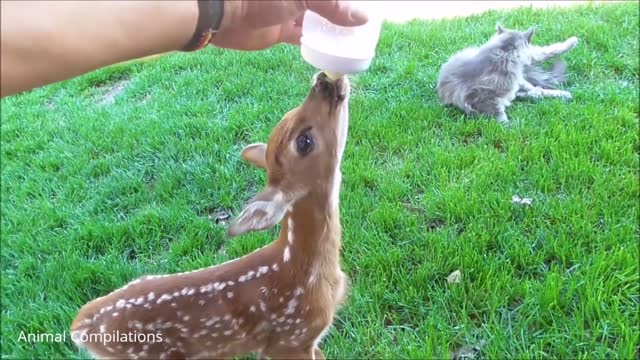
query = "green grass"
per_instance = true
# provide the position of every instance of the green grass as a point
(95, 194)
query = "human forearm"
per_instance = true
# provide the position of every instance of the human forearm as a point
(49, 41)
(74, 37)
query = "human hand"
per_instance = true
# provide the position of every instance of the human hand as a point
(256, 25)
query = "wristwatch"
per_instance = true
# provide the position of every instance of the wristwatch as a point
(209, 19)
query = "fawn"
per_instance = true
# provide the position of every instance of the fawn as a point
(277, 301)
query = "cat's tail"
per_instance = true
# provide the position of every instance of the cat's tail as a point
(547, 79)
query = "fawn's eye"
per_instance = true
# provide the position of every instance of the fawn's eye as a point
(304, 144)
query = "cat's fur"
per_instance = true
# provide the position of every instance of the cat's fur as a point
(486, 79)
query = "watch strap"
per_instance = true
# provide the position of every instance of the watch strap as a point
(210, 14)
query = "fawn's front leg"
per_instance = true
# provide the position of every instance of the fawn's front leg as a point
(542, 53)
(528, 90)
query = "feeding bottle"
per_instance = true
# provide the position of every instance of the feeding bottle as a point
(336, 49)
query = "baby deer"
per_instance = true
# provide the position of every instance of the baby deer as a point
(277, 301)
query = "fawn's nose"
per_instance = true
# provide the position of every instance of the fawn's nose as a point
(330, 89)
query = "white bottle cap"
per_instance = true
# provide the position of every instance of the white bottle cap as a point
(336, 48)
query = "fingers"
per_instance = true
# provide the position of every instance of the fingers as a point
(338, 12)
(254, 30)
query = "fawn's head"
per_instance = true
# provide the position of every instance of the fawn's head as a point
(302, 156)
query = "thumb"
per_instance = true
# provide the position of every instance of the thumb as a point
(339, 12)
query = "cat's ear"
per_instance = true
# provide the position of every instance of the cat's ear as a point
(499, 28)
(528, 35)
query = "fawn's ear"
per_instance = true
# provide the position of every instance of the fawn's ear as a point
(256, 154)
(263, 211)
(528, 35)
(499, 28)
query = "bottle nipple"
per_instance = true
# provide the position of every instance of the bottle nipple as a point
(333, 76)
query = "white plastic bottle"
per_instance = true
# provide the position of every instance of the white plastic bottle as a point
(336, 49)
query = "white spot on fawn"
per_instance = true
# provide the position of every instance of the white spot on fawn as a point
(291, 306)
(246, 276)
(229, 294)
(164, 297)
(206, 288)
(290, 230)
(212, 321)
(286, 254)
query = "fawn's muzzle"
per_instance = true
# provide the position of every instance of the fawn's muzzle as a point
(332, 90)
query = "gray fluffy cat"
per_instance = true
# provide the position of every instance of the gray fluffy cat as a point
(486, 79)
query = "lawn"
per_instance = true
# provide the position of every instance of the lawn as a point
(123, 172)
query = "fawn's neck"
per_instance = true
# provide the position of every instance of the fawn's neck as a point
(311, 235)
